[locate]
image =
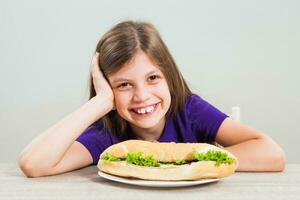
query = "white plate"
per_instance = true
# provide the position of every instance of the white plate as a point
(148, 183)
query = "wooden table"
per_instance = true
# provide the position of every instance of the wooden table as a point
(86, 184)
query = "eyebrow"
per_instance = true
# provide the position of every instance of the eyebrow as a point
(123, 79)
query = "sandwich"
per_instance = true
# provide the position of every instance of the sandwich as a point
(167, 161)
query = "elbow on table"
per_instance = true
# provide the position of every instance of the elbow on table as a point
(276, 158)
(280, 161)
(29, 169)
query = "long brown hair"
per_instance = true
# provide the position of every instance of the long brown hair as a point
(119, 45)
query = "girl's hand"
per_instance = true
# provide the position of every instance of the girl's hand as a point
(101, 85)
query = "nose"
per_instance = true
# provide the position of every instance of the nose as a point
(141, 94)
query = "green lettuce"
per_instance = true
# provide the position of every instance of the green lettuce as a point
(109, 157)
(139, 158)
(213, 155)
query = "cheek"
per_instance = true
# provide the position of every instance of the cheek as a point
(165, 93)
(164, 89)
(121, 99)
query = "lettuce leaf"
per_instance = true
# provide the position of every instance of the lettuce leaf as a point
(109, 157)
(139, 158)
(213, 155)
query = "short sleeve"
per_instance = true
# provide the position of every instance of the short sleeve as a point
(205, 119)
(95, 140)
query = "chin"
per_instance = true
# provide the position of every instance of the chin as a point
(144, 123)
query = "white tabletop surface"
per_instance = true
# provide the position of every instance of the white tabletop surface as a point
(87, 184)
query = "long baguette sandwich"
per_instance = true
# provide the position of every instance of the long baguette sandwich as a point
(167, 161)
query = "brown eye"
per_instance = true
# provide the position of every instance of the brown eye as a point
(123, 85)
(153, 77)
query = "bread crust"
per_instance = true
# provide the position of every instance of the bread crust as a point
(165, 152)
(193, 171)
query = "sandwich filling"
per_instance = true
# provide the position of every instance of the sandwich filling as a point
(139, 158)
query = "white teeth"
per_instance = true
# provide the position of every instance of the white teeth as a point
(149, 109)
(144, 110)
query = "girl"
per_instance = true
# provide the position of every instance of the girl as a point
(137, 92)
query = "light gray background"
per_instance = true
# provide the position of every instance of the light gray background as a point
(233, 53)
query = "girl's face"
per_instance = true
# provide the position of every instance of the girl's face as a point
(141, 92)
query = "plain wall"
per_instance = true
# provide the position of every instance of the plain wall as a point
(233, 53)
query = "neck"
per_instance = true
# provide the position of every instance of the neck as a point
(149, 134)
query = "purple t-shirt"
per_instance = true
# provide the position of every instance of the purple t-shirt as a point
(198, 122)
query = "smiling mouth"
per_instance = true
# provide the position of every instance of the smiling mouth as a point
(145, 111)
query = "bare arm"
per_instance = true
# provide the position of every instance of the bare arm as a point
(254, 150)
(48, 149)
(55, 150)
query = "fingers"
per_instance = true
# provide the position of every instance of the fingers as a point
(95, 69)
(94, 63)
(95, 58)
(97, 75)
(101, 85)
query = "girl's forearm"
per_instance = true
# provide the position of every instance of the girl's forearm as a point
(47, 149)
(258, 155)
